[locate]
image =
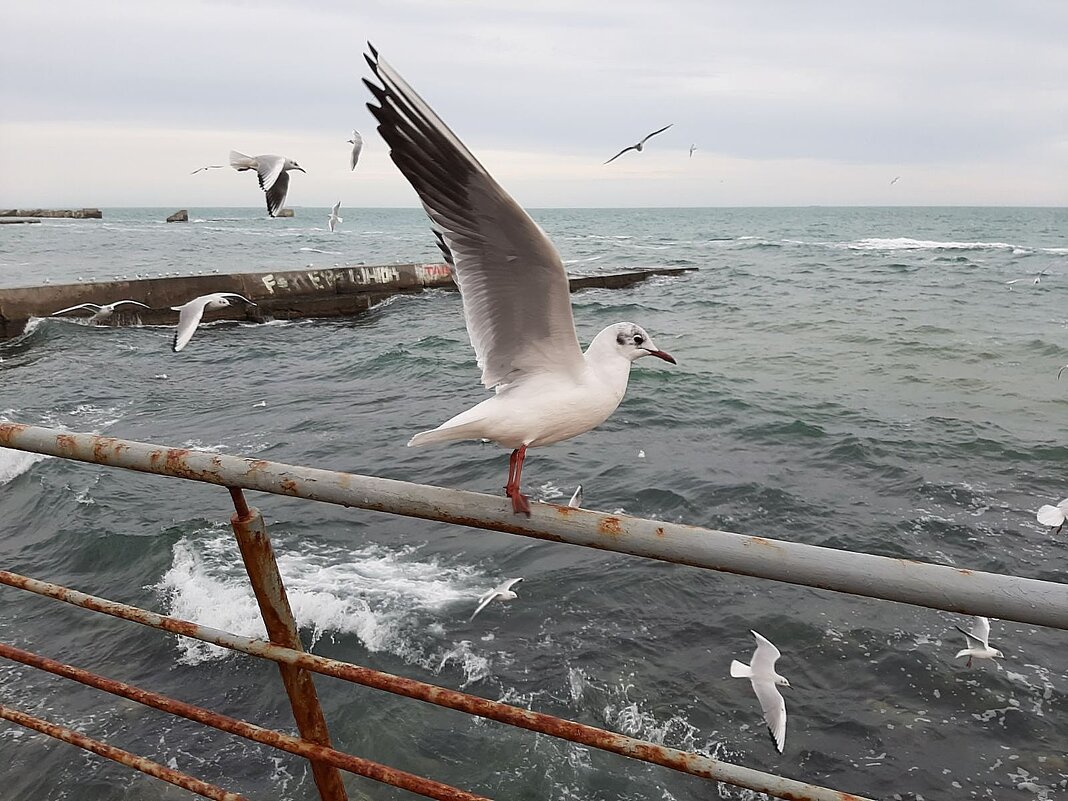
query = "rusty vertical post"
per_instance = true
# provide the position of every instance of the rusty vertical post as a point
(258, 556)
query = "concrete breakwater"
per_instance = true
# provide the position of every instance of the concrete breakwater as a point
(329, 292)
(78, 214)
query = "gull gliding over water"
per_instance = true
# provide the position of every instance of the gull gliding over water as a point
(357, 146)
(1054, 516)
(515, 292)
(761, 673)
(640, 144)
(502, 591)
(209, 167)
(978, 642)
(101, 312)
(190, 314)
(333, 219)
(273, 174)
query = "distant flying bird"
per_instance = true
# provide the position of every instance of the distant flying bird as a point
(576, 499)
(1038, 278)
(100, 312)
(502, 592)
(357, 146)
(1054, 516)
(898, 178)
(190, 314)
(515, 294)
(273, 174)
(978, 642)
(1061, 371)
(209, 167)
(640, 144)
(333, 219)
(761, 673)
(692, 149)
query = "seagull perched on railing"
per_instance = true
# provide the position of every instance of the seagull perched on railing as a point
(515, 294)
(273, 174)
(100, 312)
(190, 314)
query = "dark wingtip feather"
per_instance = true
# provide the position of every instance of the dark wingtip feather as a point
(373, 49)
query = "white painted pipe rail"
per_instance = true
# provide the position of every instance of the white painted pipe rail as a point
(953, 589)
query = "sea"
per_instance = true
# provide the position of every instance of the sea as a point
(882, 380)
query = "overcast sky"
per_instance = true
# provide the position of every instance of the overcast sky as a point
(114, 103)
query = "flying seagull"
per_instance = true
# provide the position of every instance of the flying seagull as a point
(761, 673)
(1061, 371)
(273, 174)
(1054, 516)
(100, 312)
(895, 180)
(515, 293)
(692, 149)
(191, 312)
(1038, 278)
(357, 146)
(978, 642)
(502, 592)
(209, 167)
(640, 144)
(333, 219)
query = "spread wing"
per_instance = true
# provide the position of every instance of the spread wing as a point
(92, 306)
(774, 707)
(483, 603)
(188, 320)
(357, 146)
(658, 131)
(765, 656)
(118, 303)
(276, 193)
(515, 291)
(620, 153)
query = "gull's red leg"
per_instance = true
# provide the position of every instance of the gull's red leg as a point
(515, 471)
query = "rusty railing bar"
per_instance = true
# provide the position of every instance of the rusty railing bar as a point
(276, 739)
(1042, 603)
(177, 778)
(258, 556)
(682, 761)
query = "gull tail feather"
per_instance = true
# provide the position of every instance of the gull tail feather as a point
(444, 433)
(740, 671)
(239, 161)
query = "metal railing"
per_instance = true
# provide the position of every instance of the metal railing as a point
(936, 586)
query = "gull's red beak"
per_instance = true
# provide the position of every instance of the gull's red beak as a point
(667, 357)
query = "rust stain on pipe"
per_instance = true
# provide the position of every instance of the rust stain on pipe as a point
(134, 761)
(686, 762)
(250, 731)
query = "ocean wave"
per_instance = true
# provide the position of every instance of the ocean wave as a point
(386, 598)
(907, 243)
(14, 463)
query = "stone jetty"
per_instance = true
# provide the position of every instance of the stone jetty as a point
(329, 292)
(78, 214)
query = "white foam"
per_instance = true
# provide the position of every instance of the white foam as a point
(14, 463)
(385, 597)
(906, 243)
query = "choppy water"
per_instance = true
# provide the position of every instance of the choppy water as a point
(856, 378)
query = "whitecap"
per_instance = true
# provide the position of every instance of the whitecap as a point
(14, 463)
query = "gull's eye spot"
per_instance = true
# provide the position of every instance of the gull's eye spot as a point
(638, 339)
(620, 339)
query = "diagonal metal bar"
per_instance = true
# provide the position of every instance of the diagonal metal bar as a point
(270, 592)
(682, 761)
(250, 731)
(134, 761)
(1042, 603)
